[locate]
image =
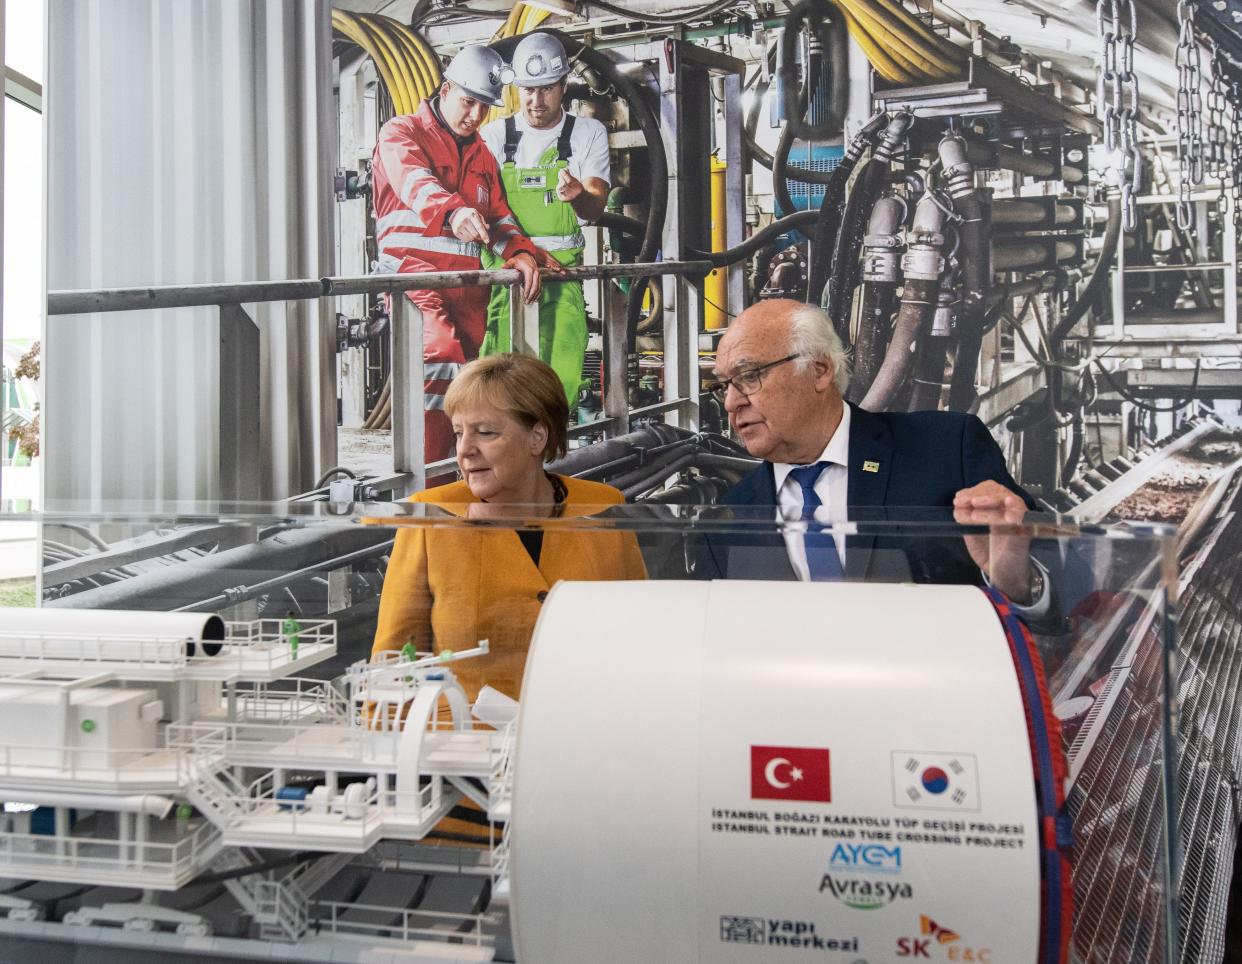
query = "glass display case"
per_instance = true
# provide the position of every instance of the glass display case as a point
(334, 730)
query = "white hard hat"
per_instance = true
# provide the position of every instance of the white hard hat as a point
(480, 72)
(538, 60)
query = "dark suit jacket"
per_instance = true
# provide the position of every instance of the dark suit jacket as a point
(903, 508)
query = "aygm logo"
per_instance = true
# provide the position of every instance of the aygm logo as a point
(865, 858)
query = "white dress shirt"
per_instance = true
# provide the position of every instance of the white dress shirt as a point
(832, 487)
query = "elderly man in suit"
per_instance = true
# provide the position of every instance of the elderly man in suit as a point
(783, 372)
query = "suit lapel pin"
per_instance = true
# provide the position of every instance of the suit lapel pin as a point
(871, 466)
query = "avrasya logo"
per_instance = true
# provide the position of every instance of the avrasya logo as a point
(863, 894)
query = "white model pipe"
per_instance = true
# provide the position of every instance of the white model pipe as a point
(108, 634)
(761, 759)
(148, 803)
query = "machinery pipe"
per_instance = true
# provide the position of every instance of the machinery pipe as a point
(221, 573)
(1011, 159)
(831, 209)
(148, 803)
(109, 634)
(591, 458)
(882, 246)
(843, 278)
(977, 266)
(1099, 275)
(87, 301)
(1013, 256)
(1019, 212)
(922, 264)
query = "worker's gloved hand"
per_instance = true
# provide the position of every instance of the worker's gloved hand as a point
(467, 224)
(568, 187)
(1004, 555)
(545, 260)
(531, 281)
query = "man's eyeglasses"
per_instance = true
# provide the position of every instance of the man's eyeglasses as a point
(747, 382)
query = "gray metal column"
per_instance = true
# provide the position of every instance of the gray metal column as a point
(616, 363)
(735, 191)
(408, 401)
(239, 406)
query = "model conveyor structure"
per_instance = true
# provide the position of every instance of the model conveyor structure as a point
(144, 750)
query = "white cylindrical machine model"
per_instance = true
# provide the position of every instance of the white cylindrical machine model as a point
(101, 635)
(745, 771)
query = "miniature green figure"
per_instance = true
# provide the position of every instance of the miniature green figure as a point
(290, 628)
(408, 652)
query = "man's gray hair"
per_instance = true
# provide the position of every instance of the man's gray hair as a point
(812, 337)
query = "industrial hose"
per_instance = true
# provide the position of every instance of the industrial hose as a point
(1099, 276)
(411, 73)
(844, 273)
(933, 348)
(799, 220)
(828, 31)
(976, 273)
(921, 265)
(881, 272)
(832, 208)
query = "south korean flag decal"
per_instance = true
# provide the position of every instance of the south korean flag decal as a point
(925, 780)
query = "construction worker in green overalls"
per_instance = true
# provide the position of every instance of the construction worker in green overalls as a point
(555, 171)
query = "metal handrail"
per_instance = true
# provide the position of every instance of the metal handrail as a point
(407, 379)
(92, 300)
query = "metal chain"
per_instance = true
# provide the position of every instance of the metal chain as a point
(1189, 113)
(1117, 99)
(1235, 152)
(1218, 155)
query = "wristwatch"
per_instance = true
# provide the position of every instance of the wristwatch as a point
(1036, 590)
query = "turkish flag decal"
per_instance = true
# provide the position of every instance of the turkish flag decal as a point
(790, 773)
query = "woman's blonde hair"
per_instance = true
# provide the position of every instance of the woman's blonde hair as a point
(525, 387)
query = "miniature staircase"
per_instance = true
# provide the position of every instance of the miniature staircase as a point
(279, 907)
(218, 796)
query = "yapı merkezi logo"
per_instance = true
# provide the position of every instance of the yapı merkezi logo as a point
(778, 932)
(790, 773)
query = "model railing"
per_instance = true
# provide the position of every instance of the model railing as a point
(397, 923)
(500, 783)
(48, 857)
(296, 700)
(683, 320)
(259, 645)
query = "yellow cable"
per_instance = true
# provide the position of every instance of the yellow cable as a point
(422, 58)
(899, 45)
(879, 58)
(949, 49)
(396, 62)
(346, 24)
(403, 37)
(899, 41)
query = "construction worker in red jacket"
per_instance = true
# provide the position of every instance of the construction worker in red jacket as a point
(438, 202)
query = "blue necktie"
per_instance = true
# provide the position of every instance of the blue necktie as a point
(821, 550)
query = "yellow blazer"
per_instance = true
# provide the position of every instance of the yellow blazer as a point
(448, 588)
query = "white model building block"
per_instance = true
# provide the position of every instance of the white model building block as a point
(89, 727)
